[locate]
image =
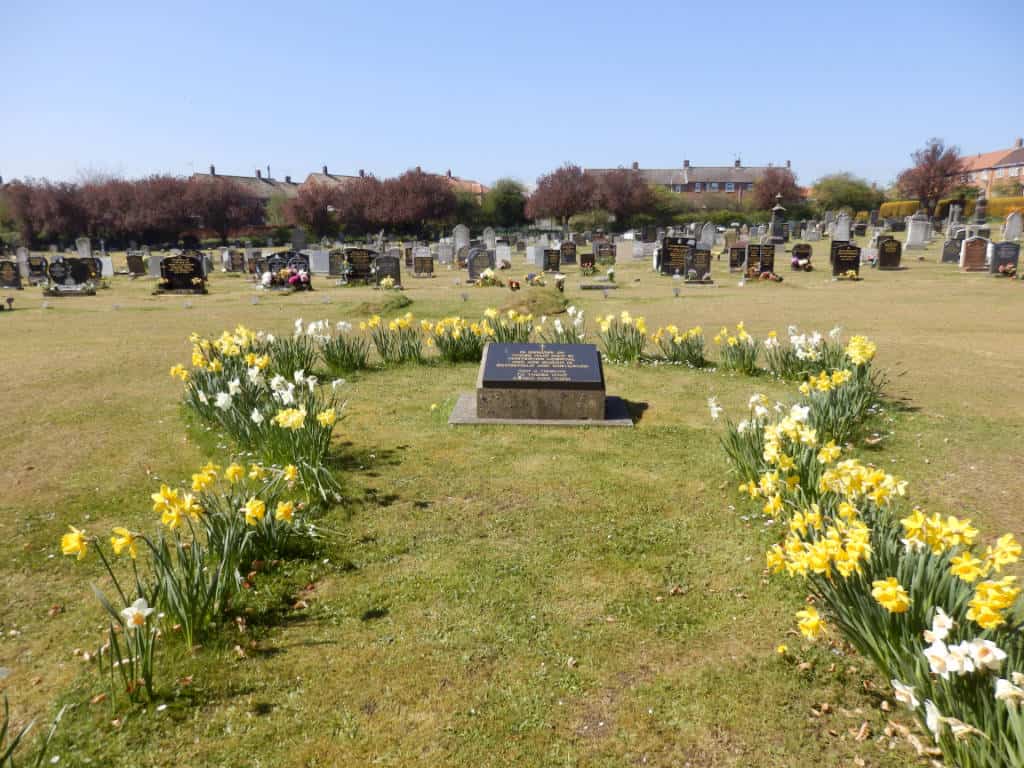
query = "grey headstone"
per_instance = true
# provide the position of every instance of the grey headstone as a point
(1012, 228)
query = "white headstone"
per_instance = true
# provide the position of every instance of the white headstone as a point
(707, 236)
(153, 265)
(320, 261)
(107, 269)
(503, 253)
(535, 255)
(1012, 228)
(490, 239)
(445, 253)
(917, 231)
(460, 236)
(84, 247)
(842, 228)
(22, 257)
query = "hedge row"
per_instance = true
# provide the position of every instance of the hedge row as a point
(998, 207)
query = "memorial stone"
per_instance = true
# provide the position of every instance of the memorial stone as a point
(845, 258)
(890, 252)
(1004, 256)
(973, 254)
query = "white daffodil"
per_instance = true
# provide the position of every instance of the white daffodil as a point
(961, 730)
(905, 694)
(835, 333)
(256, 416)
(235, 387)
(337, 383)
(299, 376)
(938, 658)
(716, 409)
(743, 426)
(223, 401)
(255, 375)
(941, 622)
(986, 655)
(135, 615)
(1008, 692)
(960, 660)
(800, 413)
(278, 383)
(933, 719)
(202, 397)
(311, 382)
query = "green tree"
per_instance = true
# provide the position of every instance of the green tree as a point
(844, 190)
(277, 211)
(504, 204)
(467, 208)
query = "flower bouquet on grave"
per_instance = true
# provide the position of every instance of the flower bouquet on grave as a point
(850, 275)
(505, 264)
(535, 280)
(488, 279)
(770, 277)
(801, 265)
(1007, 270)
(610, 274)
(387, 283)
(588, 270)
(513, 285)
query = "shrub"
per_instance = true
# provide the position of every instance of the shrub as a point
(1000, 207)
(898, 209)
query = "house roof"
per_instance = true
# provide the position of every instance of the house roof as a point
(262, 188)
(985, 160)
(1016, 157)
(695, 173)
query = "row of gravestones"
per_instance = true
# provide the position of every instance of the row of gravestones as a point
(683, 257)
(979, 254)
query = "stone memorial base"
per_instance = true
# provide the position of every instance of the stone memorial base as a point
(616, 414)
(599, 287)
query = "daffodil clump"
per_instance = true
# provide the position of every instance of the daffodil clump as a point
(921, 595)
(398, 340)
(511, 327)
(681, 347)
(458, 340)
(804, 355)
(623, 337)
(489, 279)
(190, 569)
(738, 351)
(342, 349)
(283, 419)
(573, 331)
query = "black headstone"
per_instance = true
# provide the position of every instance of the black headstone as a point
(588, 260)
(674, 256)
(845, 258)
(767, 261)
(889, 254)
(1004, 255)
(802, 252)
(298, 262)
(136, 265)
(183, 273)
(552, 260)
(568, 253)
(388, 266)
(360, 262)
(336, 263)
(423, 266)
(37, 269)
(951, 252)
(10, 277)
(698, 265)
(604, 252)
(737, 258)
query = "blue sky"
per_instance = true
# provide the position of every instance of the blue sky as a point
(491, 90)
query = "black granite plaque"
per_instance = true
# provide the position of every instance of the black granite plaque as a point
(360, 262)
(951, 252)
(37, 269)
(336, 263)
(587, 261)
(604, 252)
(1004, 255)
(845, 258)
(542, 366)
(674, 256)
(183, 273)
(835, 246)
(136, 266)
(754, 257)
(568, 253)
(423, 266)
(737, 258)
(698, 265)
(298, 261)
(10, 277)
(552, 260)
(388, 266)
(767, 260)
(69, 273)
(890, 252)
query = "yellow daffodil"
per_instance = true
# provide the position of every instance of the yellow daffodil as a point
(810, 622)
(122, 540)
(234, 472)
(75, 543)
(291, 473)
(179, 372)
(254, 511)
(291, 418)
(890, 595)
(285, 511)
(257, 472)
(165, 499)
(327, 418)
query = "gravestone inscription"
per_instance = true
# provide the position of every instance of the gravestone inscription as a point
(845, 258)
(388, 265)
(552, 260)
(183, 273)
(737, 258)
(890, 252)
(1005, 256)
(359, 263)
(568, 255)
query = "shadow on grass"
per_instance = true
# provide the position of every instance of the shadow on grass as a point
(635, 409)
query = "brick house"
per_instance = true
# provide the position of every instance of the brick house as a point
(989, 168)
(262, 187)
(695, 180)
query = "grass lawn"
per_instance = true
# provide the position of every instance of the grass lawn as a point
(488, 596)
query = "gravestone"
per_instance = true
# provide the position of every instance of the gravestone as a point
(672, 257)
(136, 266)
(183, 273)
(860, 229)
(520, 246)
(10, 275)
(445, 253)
(842, 228)
(1004, 255)
(625, 250)
(460, 236)
(604, 252)
(754, 256)
(69, 276)
(845, 258)
(37, 266)
(84, 247)
(422, 262)
(541, 381)
(153, 264)
(388, 265)
(873, 217)
(951, 252)
(1012, 228)
(706, 240)
(479, 260)
(698, 265)
(973, 254)
(737, 258)
(407, 254)
(462, 257)
(889, 254)
(766, 262)
(319, 261)
(336, 263)
(236, 261)
(297, 261)
(552, 260)
(568, 255)
(490, 239)
(503, 254)
(359, 263)
(298, 238)
(588, 261)
(276, 262)
(917, 234)
(535, 255)
(802, 253)
(981, 209)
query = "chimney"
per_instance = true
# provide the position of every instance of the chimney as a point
(737, 163)
(325, 170)
(419, 169)
(213, 171)
(787, 164)
(449, 174)
(1018, 143)
(287, 179)
(361, 173)
(636, 166)
(686, 163)
(259, 174)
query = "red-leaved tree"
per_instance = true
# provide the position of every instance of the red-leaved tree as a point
(560, 194)
(624, 193)
(314, 207)
(933, 175)
(221, 205)
(776, 181)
